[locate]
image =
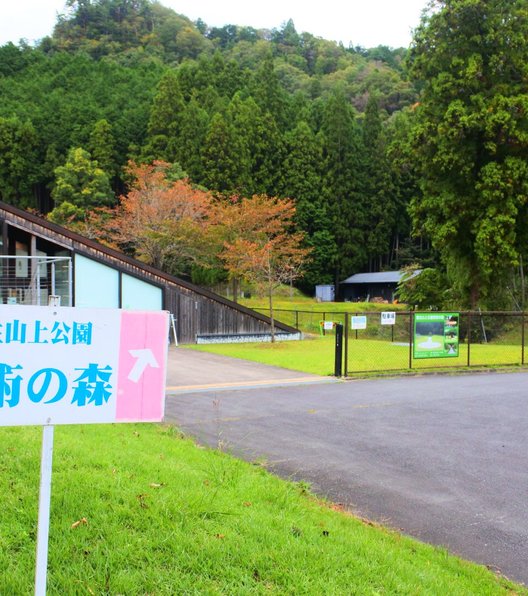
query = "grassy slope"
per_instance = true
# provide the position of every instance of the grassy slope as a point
(164, 516)
(303, 303)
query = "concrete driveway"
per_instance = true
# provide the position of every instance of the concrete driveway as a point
(193, 371)
(442, 458)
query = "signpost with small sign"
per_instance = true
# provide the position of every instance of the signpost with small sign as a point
(358, 322)
(388, 318)
(325, 326)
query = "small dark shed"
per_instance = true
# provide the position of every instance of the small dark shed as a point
(364, 287)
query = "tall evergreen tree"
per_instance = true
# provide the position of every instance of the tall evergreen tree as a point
(193, 130)
(268, 93)
(80, 185)
(302, 181)
(102, 147)
(301, 175)
(259, 143)
(406, 249)
(471, 139)
(267, 156)
(18, 150)
(380, 205)
(343, 183)
(164, 122)
(242, 116)
(224, 158)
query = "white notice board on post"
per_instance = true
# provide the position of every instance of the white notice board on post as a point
(358, 322)
(388, 318)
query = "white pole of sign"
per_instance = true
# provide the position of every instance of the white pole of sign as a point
(173, 323)
(46, 463)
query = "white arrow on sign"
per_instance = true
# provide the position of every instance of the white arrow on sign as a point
(144, 358)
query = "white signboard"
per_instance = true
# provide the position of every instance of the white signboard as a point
(358, 322)
(77, 366)
(388, 318)
(328, 325)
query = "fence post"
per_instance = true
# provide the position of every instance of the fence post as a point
(410, 337)
(346, 344)
(469, 340)
(296, 319)
(522, 337)
(338, 350)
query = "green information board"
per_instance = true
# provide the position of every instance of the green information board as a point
(436, 334)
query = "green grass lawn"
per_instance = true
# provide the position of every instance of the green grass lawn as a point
(316, 355)
(310, 305)
(306, 313)
(138, 509)
(313, 356)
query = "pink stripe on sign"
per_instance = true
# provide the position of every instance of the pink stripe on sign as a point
(142, 366)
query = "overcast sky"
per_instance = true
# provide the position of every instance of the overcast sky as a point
(367, 23)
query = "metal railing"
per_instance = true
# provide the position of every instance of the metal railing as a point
(32, 280)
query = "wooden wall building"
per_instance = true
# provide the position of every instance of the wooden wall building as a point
(98, 276)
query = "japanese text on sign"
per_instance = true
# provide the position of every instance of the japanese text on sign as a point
(73, 365)
(37, 332)
(50, 385)
(388, 318)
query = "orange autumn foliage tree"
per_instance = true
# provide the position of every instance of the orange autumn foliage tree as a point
(171, 225)
(164, 221)
(260, 244)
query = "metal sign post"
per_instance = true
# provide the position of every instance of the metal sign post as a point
(46, 467)
(338, 368)
(46, 464)
(173, 326)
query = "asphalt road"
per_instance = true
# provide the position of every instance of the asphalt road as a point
(442, 458)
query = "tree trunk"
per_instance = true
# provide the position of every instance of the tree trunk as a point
(270, 296)
(474, 295)
(235, 289)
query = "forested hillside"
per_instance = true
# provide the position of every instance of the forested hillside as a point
(242, 111)
(239, 112)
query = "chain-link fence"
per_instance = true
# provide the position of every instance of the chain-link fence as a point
(385, 344)
(32, 280)
(378, 347)
(310, 322)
